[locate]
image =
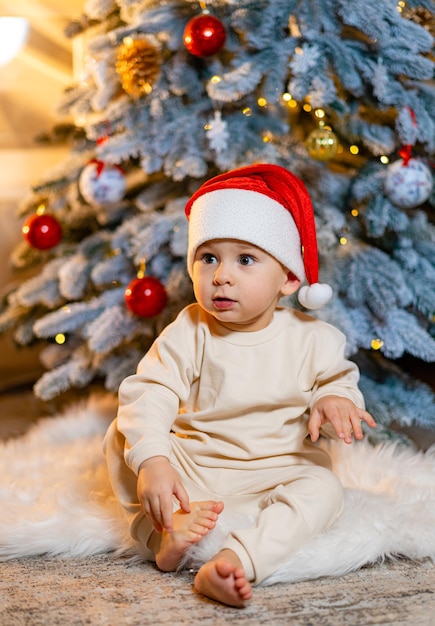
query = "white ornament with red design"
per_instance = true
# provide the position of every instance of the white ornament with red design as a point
(408, 183)
(102, 184)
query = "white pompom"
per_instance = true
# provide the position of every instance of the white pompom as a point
(315, 296)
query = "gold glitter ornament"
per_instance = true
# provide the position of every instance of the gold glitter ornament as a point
(322, 144)
(138, 65)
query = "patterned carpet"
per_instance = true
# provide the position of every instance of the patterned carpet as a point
(103, 590)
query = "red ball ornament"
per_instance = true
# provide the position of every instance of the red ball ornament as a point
(204, 35)
(42, 231)
(145, 296)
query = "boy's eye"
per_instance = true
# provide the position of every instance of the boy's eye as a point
(209, 258)
(245, 259)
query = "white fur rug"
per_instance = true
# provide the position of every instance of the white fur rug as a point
(55, 498)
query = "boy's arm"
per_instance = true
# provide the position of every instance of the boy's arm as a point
(336, 401)
(149, 400)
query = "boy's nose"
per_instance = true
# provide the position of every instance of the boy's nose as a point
(222, 275)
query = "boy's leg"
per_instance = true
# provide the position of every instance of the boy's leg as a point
(290, 515)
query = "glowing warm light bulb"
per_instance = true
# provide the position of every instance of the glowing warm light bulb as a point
(13, 35)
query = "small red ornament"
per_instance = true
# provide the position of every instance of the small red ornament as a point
(145, 296)
(42, 231)
(204, 35)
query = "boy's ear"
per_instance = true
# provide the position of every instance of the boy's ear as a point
(291, 285)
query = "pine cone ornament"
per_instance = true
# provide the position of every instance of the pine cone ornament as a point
(138, 65)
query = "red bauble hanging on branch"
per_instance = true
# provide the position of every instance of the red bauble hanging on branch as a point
(42, 231)
(204, 35)
(145, 296)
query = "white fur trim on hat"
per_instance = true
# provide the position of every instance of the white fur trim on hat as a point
(249, 216)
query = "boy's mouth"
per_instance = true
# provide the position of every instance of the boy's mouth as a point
(223, 303)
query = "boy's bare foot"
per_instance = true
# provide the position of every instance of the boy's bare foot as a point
(189, 528)
(224, 579)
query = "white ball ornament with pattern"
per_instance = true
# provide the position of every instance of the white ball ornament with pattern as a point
(408, 186)
(102, 184)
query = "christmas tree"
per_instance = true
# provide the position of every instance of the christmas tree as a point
(339, 92)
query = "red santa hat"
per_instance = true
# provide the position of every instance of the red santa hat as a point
(265, 205)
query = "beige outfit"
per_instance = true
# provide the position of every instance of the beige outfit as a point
(229, 409)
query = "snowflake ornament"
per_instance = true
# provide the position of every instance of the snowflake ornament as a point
(217, 133)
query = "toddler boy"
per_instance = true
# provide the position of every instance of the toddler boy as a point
(226, 406)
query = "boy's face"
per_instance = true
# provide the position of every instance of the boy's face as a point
(239, 284)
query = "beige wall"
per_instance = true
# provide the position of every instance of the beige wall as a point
(31, 87)
(18, 170)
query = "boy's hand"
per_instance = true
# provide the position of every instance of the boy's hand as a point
(157, 483)
(344, 416)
